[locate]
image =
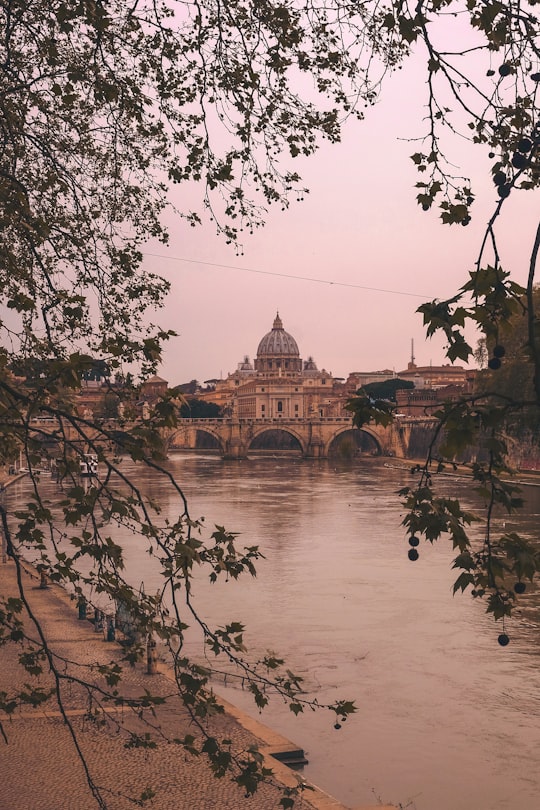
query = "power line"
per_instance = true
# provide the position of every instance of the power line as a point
(288, 275)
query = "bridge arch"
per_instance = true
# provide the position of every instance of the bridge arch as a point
(260, 430)
(315, 437)
(356, 436)
(189, 436)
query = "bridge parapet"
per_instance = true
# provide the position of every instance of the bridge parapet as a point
(235, 436)
(314, 435)
(229, 420)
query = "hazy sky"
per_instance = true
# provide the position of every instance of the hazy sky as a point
(360, 231)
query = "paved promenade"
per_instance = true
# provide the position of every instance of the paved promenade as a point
(40, 768)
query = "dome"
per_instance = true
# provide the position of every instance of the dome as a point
(245, 367)
(278, 342)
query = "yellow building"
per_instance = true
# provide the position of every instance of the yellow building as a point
(279, 384)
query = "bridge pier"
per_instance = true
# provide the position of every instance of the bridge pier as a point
(234, 453)
(315, 449)
(235, 448)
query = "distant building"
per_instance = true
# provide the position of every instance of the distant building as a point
(279, 384)
(425, 401)
(153, 388)
(357, 379)
(437, 376)
(90, 398)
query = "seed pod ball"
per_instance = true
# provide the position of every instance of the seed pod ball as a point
(524, 145)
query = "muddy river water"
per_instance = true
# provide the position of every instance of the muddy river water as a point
(447, 719)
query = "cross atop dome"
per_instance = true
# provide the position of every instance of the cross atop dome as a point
(278, 324)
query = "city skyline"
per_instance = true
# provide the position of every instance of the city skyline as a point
(305, 356)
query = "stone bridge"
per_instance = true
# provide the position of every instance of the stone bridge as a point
(234, 437)
(315, 436)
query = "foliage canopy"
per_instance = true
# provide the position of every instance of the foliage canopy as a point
(104, 106)
(386, 389)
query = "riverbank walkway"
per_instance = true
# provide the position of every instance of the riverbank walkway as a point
(40, 769)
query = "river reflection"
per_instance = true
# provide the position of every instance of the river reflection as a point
(447, 719)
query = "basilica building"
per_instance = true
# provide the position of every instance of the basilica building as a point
(279, 384)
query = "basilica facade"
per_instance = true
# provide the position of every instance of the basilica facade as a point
(278, 384)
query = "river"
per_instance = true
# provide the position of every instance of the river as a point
(447, 719)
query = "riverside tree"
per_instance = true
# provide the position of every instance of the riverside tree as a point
(488, 93)
(104, 107)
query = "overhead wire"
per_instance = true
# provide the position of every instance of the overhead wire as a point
(288, 275)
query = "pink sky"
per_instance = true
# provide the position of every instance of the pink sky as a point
(360, 225)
